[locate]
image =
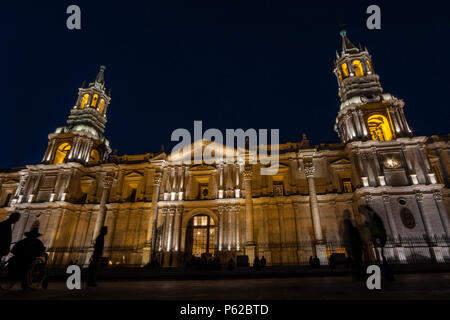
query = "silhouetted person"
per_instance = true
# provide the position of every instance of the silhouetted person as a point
(25, 253)
(6, 233)
(216, 263)
(96, 257)
(263, 262)
(354, 248)
(256, 263)
(378, 235)
(314, 262)
(230, 264)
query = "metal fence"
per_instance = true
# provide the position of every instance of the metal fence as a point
(404, 250)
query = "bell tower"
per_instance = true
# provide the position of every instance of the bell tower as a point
(366, 113)
(82, 139)
(373, 126)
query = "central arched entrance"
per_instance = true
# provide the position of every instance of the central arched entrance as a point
(200, 236)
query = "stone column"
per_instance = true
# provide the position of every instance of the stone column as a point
(73, 236)
(229, 229)
(319, 246)
(169, 237)
(250, 244)
(113, 216)
(442, 212)
(423, 214)
(280, 212)
(100, 221)
(152, 221)
(394, 249)
(436, 252)
(19, 226)
(390, 217)
(221, 210)
(177, 233)
(164, 214)
(236, 210)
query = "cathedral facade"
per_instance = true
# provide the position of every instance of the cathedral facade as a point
(156, 207)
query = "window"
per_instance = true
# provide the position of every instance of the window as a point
(357, 66)
(345, 70)
(132, 196)
(369, 66)
(8, 198)
(84, 101)
(95, 156)
(203, 235)
(347, 186)
(379, 128)
(61, 153)
(278, 190)
(204, 192)
(94, 100)
(101, 106)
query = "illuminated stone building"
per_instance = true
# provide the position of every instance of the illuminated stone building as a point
(156, 206)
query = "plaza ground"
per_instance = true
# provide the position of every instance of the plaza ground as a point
(319, 286)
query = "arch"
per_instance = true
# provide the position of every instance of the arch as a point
(101, 106)
(357, 66)
(197, 211)
(369, 66)
(94, 156)
(94, 100)
(62, 152)
(84, 101)
(345, 71)
(199, 233)
(379, 128)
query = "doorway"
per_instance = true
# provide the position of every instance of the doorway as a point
(200, 236)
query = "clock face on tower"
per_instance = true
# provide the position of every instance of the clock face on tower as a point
(391, 162)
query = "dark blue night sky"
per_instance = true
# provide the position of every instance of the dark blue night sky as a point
(231, 64)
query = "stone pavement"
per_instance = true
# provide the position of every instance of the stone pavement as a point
(327, 287)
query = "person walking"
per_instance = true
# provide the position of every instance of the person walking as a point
(96, 257)
(6, 233)
(354, 248)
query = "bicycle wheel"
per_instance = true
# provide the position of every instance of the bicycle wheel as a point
(37, 273)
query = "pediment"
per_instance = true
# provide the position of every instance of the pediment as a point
(341, 162)
(205, 151)
(134, 175)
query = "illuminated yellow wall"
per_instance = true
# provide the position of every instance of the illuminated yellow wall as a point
(61, 152)
(379, 128)
(84, 101)
(359, 72)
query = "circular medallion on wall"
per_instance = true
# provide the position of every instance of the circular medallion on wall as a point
(407, 218)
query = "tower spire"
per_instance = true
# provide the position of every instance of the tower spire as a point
(347, 46)
(99, 81)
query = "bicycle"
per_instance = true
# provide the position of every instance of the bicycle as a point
(34, 277)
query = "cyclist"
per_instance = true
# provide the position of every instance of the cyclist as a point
(25, 253)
